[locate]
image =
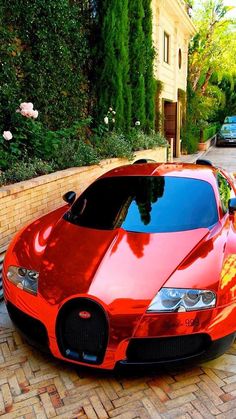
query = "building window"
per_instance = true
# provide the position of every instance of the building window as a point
(180, 58)
(166, 48)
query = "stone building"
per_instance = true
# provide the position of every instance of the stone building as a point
(172, 30)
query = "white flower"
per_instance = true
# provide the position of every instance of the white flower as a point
(113, 120)
(7, 135)
(137, 123)
(27, 110)
(110, 109)
(114, 112)
(27, 106)
(35, 114)
(106, 120)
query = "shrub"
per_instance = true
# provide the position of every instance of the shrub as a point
(139, 140)
(114, 145)
(190, 138)
(23, 170)
(30, 138)
(71, 153)
(210, 131)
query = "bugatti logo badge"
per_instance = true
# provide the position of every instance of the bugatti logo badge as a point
(84, 314)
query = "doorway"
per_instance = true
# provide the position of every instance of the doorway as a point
(170, 123)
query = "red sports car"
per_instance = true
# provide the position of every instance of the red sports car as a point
(139, 269)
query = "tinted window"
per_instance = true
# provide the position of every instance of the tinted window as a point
(146, 204)
(230, 120)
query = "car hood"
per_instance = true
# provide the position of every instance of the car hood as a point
(111, 265)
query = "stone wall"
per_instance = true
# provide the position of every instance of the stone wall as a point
(25, 201)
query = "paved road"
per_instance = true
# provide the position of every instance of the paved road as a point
(224, 157)
(35, 386)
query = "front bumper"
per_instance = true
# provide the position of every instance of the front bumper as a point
(225, 141)
(132, 351)
(175, 350)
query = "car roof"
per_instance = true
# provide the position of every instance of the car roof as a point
(229, 116)
(187, 170)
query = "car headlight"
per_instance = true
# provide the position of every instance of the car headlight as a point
(23, 278)
(181, 299)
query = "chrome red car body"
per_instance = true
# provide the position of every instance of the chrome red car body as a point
(122, 271)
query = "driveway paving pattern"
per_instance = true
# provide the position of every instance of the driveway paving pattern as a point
(36, 386)
(33, 385)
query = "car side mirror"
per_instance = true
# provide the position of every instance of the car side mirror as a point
(69, 197)
(232, 205)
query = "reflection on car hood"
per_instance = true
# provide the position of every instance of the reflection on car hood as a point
(112, 264)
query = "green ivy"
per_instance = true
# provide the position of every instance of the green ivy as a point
(44, 54)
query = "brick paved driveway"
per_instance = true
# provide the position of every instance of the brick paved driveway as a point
(35, 386)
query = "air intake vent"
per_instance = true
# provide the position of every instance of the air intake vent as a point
(82, 331)
(166, 349)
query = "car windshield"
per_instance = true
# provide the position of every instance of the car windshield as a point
(228, 128)
(145, 204)
(230, 120)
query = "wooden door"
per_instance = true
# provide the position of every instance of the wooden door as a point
(170, 122)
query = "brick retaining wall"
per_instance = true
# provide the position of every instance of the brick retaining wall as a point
(25, 201)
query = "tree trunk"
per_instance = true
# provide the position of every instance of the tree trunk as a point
(206, 81)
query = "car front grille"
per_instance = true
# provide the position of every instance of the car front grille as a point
(166, 349)
(33, 330)
(81, 338)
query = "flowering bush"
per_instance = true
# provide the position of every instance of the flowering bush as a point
(109, 119)
(29, 149)
(27, 109)
(29, 138)
(26, 137)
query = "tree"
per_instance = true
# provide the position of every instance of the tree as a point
(124, 62)
(137, 60)
(148, 66)
(113, 87)
(227, 86)
(213, 47)
(211, 53)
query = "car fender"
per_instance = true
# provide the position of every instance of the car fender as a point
(227, 285)
(28, 245)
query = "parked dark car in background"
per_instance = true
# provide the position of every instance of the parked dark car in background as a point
(227, 134)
